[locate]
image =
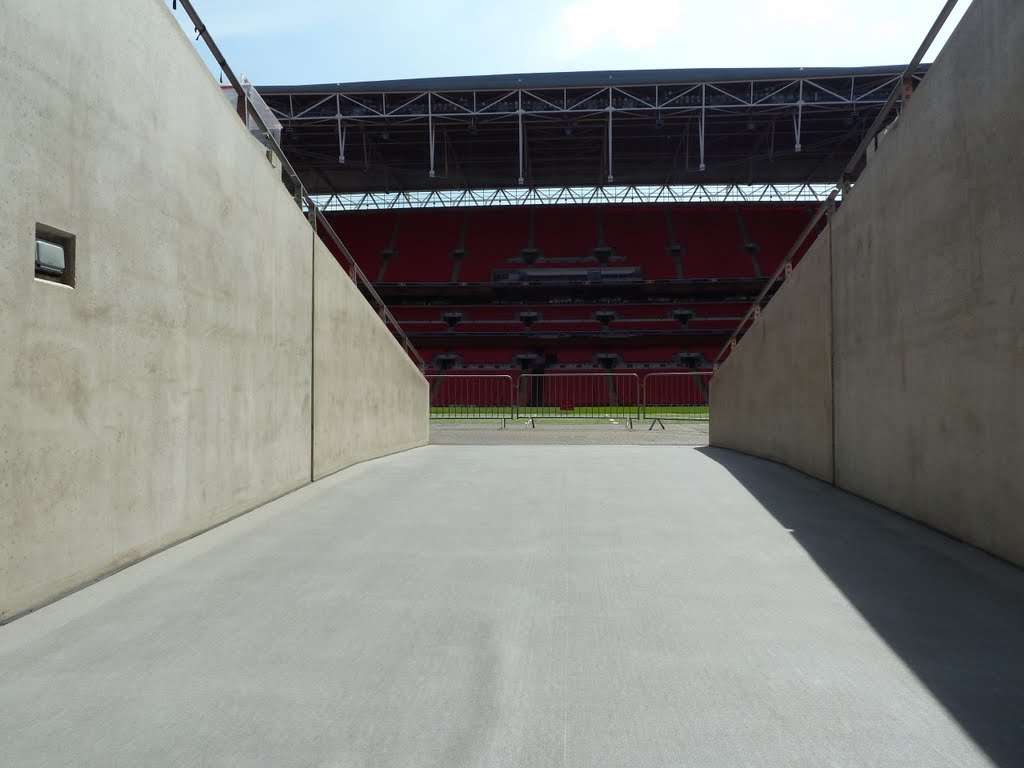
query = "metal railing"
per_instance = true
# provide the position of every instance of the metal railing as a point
(905, 88)
(608, 194)
(680, 396)
(471, 397)
(596, 397)
(303, 199)
(600, 396)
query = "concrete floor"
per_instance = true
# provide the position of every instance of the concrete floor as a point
(534, 606)
(568, 432)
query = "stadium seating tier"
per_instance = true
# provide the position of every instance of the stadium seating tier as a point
(678, 244)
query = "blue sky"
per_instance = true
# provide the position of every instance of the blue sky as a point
(320, 41)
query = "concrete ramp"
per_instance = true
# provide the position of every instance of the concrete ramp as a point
(535, 606)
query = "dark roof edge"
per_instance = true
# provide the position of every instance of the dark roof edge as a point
(583, 79)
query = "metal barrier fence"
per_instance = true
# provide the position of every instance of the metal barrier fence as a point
(658, 397)
(676, 396)
(609, 395)
(471, 396)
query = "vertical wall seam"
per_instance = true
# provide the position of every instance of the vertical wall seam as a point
(832, 340)
(312, 350)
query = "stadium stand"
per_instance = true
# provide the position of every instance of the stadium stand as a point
(493, 238)
(565, 236)
(640, 236)
(626, 287)
(711, 243)
(366, 235)
(773, 230)
(423, 247)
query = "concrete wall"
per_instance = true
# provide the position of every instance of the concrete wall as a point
(172, 387)
(928, 264)
(359, 416)
(929, 298)
(784, 417)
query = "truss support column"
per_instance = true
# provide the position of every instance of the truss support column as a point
(520, 179)
(700, 126)
(342, 138)
(519, 114)
(611, 120)
(430, 131)
(798, 118)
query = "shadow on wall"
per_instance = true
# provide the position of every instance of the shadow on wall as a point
(952, 613)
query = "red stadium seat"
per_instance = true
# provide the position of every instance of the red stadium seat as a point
(719, 248)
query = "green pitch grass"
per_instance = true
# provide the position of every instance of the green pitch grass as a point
(598, 412)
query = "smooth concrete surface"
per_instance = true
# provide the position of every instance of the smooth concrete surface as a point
(172, 387)
(773, 395)
(928, 275)
(535, 606)
(369, 398)
(567, 432)
(928, 316)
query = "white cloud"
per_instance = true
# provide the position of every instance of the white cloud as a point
(325, 41)
(591, 24)
(804, 13)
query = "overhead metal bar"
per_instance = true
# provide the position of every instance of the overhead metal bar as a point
(536, 102)
(890, 102)
(306, 202)
(611, 194)
(844, 185)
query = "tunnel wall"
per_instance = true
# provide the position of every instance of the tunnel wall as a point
(172, 387)
(928, 311)
(784, 417)
(369, 398)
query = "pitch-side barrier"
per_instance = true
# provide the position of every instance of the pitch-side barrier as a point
(681, 396)
(610, 396)
(621, 398)
(471, 397)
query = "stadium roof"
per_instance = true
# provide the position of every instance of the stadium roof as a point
(644, 127)
(578, 79)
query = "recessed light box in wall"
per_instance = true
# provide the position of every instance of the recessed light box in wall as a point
(55, 255)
